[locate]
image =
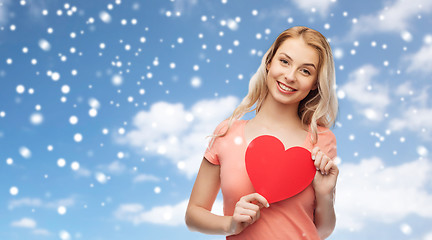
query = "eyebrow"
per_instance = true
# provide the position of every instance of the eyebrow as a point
(307, 64)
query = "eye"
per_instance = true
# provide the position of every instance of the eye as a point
(284, 61)
(305, 71)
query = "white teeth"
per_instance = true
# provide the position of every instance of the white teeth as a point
(285, 87)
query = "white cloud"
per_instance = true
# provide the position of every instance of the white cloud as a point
(31, 224)
(421, 61)
(415, 114)
(393, 18)
(178, 134)
(404, 89)
(145, 178)
(42, 232)
(428, 236)
(413, 119)
(164, 215)
(31, 202)
(169, 215)
(36, 202)
(115, 167)
(184, 6)
(66, 202)
(421, 97)
(24, 223)
(370, 98)
(282, 11)
(322, 6)
(369, 191)
(83, 172)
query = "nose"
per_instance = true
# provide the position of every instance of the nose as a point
(290, 74)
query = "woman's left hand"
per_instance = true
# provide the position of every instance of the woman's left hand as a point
(324, 182)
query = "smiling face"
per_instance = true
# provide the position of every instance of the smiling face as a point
(293, 71)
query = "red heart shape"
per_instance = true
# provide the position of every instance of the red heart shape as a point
(275, 173)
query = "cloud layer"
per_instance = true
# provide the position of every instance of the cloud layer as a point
(37, 202)
(169, 215)
(322, 6)
(421, 61)
(30, 223)
(397, 17)
(369, 97)
(170, 130)
(367, 192)
(372, 192)
(24, 223)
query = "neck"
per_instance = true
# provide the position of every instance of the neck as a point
(274, 114)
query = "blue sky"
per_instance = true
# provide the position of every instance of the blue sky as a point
(105, 105)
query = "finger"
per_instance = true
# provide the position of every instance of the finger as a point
(241, 218)
(247, 209)
(334, 169)
(248, 205)
(324, 162)
(330, 164)
(315, 150)
(258, 204)
(247, 212)
(318, 159)
(256, 197)
(262, 200)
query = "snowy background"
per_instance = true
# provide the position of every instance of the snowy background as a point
(105, 105)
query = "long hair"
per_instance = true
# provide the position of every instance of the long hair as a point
(319, 107)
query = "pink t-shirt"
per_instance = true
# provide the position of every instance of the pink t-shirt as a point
(292, 218)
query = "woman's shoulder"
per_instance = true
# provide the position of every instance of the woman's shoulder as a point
(327, 141)
(325, 132)
(224, 125)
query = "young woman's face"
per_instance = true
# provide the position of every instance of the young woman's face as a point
(292, 73)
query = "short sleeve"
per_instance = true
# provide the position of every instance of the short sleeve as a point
(211, 153)
(327, 142)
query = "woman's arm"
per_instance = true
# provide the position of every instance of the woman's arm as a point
(198, 214)
(325, 218)
(324, 185)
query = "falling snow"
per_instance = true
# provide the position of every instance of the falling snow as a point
(13, 191)
(83, 136)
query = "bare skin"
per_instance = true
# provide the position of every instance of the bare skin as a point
(293, 65)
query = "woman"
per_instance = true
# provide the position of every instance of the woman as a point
(295, 102)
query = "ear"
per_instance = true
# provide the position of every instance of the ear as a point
(315, 86)
(268, 66)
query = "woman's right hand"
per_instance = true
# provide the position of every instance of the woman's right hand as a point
(246, 212)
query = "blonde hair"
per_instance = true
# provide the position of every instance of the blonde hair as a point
(319, 107)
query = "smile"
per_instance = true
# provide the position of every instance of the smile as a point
(285, 88)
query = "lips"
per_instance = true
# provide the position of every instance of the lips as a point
(285, 87)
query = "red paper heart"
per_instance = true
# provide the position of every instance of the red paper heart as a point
(275, 173)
